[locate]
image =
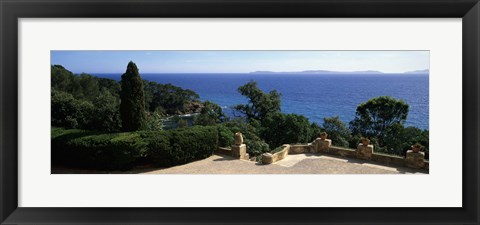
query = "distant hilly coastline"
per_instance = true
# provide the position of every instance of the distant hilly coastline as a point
(425, 71)
(418, 71)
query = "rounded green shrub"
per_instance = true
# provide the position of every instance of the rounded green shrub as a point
(256, 147)
(84, 149)
(225, 136)
(180, 146)
(121, 151)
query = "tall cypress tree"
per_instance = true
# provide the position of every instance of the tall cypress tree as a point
(132, 106)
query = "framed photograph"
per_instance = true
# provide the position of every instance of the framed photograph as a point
(252, 112)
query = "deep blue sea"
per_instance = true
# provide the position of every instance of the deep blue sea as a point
(313, 95)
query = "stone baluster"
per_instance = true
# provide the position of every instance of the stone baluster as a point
(323, 144)
(415, 159)
(239, 150)
(364, 151)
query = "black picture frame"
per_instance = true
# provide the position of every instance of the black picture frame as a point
(11, 11)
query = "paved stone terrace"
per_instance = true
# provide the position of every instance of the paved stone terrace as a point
(293, 164)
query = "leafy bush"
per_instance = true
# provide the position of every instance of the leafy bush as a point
(69, 112)
(86, 149)
(102, 114)
(399, 139)
(106, 116)
(277, 149)
(174, 147)
(121, 151)
(225, 136)
(210, 114)
(279, 129)
(337, 131)
(255, 145)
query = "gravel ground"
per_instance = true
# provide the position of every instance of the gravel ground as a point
(293, 164)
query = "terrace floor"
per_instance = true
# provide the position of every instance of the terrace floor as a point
(292, 164)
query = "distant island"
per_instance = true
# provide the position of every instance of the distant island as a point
(419, 71)
(425, 71)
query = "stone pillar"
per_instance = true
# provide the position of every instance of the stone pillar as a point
(415, 159)
(240, 151)
(364, 151)
(323, 145)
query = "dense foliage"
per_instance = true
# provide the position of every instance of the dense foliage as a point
(278, 129)
(255, 145)
(82, 87)
(169, 99)
(180, 146)
(377, 116)
(89, 149)
(122, 151)
(99, 114)
(132, 105)
(260, 104)
(92, 103)
(400, 139)
(210, 114)
(265, 125)
(225, 136)
(337, 131)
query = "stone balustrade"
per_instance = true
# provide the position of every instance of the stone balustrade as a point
(414, 160)
(268, 158)
(364, 152)
(235, 151)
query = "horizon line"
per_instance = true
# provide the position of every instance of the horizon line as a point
(311, 71)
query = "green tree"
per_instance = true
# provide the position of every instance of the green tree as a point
(106, 115)
(399, 139)
(132, 106)
(89, 87)
(171, 99)
(260, 104)
(70, 112)
(155, 120)
(377, 116)
(83, 86)
(278, 129)
(210, 114)
(337, 131)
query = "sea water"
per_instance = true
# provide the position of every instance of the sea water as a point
(315, 96)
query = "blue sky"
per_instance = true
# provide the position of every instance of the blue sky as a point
(240, 61)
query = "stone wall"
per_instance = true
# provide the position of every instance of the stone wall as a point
(298, 149)
(268, 158)
(223, 151)
(364, 152)
(236, 151)
(345, 152)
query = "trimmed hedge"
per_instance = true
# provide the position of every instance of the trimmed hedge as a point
(84, 149)
(121, 151)
(180, 146)
(226, 137)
